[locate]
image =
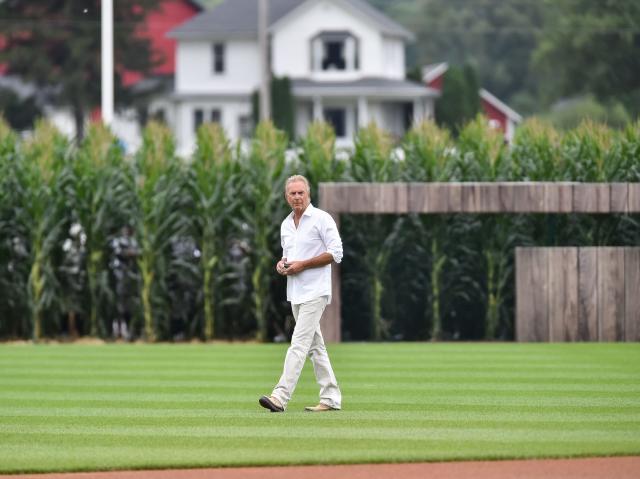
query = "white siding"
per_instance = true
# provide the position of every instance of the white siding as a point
(291, 43)
(194, 68)
(394, 58)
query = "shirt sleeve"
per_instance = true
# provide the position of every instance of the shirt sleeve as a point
(331, 238)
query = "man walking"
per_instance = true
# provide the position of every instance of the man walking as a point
(310, 243)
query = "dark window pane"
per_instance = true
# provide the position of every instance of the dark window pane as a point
(198, 118)
(159, 116)
(336, 117)
(218, 57)
(334, 56)
(216, 116)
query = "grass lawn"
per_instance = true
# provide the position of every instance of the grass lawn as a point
(98, 407)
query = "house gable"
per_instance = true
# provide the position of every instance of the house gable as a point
(295, 55)
(359, 9)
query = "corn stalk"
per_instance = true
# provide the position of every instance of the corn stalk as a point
(213, 177)
(158, 218)
(101, 202)
(40, 178)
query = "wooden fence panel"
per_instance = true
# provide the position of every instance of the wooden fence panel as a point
(611, 292)
(619, 197)
(587, 294)
(529, 198)
(532, 320)
(480, 198)
(592, 198)
(632, 293)
(563, 294)
(558, 197)
(427, 198)
(634, 197)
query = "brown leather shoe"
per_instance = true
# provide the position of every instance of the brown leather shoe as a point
(320, 408)
(271, 403)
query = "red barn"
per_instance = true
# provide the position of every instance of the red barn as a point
(168, 15)
(499, 114)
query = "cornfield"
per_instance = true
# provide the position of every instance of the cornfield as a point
(182, 249)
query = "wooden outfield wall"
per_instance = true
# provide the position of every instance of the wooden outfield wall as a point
(471, 197)
(578, 294)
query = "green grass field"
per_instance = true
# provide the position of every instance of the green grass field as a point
(98, 407)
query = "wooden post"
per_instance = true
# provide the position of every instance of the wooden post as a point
(331, 324)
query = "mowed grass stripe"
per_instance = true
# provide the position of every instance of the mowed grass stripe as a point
(427, 385)
(23, 415)
(130, 404)
(180, 426)
(236, 395)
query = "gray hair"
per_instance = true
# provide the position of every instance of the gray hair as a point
(294, 178)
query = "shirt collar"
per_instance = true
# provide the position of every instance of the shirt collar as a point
(307, 212)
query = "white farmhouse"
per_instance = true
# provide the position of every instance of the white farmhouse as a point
(345, 60)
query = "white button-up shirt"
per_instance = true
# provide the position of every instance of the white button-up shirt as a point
(316, 233)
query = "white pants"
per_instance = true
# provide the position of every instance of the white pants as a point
(307, 340)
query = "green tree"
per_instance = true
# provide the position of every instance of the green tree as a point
(20, 112)
(497, 37)
(282, 106)
(460, 101)
(591, 46)
(56, 46)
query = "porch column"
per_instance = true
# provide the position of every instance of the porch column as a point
(317, 109)
(363, 112)
(418, 111)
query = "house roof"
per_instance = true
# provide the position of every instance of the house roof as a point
(433, 71)
(496, 103)
(197, 4)
(239, 19)
(371, 86)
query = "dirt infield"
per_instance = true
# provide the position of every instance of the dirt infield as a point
(591, 468)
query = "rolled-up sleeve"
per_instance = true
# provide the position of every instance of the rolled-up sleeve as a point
(331, 238)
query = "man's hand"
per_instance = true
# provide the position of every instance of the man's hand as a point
(294, 267)
(282, 266)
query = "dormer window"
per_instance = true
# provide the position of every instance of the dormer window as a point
(334, 51)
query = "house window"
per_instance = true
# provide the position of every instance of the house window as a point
(218, 58)
(198, 119)
(333, 58)
(334, 51)
(160, 116)
(216, 116)
(337, 118)
(245, 126)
